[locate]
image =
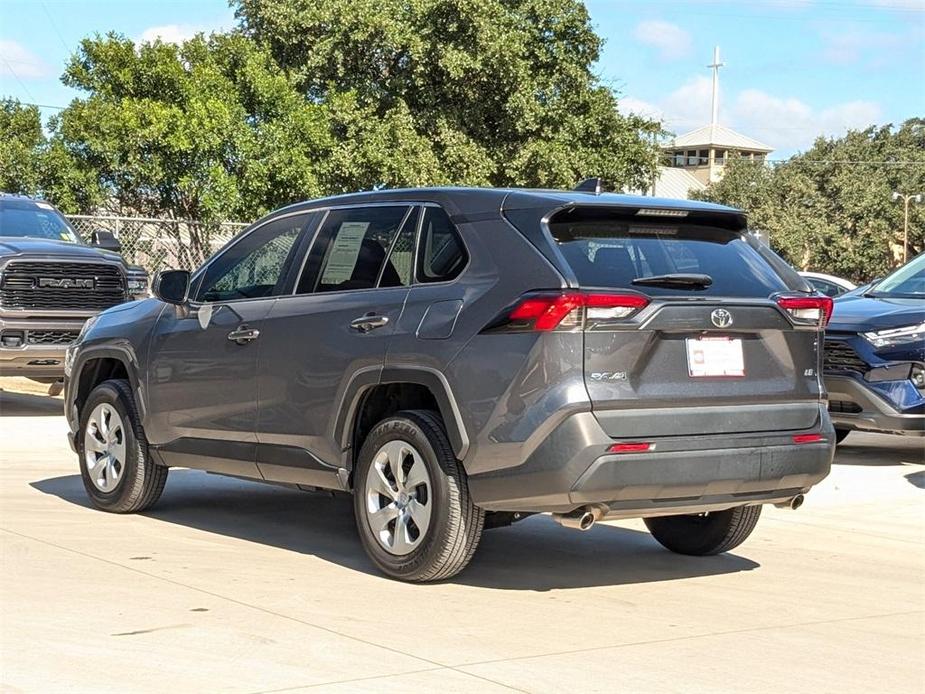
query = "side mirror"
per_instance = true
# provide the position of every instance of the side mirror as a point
(105, 240)
(171, 286)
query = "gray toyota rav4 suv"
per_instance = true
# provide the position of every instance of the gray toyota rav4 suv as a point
(458, 359)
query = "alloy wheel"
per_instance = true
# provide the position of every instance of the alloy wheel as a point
(104, 447)
(398, 497)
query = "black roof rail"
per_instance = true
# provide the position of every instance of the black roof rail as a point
(589, 185)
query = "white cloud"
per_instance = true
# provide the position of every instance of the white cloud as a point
(785, 123)
(18, 61)
(178, 33)
(790, 124)
(170, 33)
(670, 40)
(630, 104)
(852, 44)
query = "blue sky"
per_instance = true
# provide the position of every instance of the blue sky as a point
(794, 68)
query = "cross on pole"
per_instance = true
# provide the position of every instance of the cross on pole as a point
(715, 66)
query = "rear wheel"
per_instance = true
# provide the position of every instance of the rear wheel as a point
(706, 533)
(841, 434)
(114, 464)
(411, 500)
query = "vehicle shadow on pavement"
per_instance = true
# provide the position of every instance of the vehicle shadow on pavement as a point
(887, 451)
(14, 404)
(917, 479)
(535, 554)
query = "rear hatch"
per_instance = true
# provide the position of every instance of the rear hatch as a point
(715, 335)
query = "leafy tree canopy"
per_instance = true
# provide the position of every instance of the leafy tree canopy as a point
(21, 145)
(830, 209)
(209, 130)
(476, 92)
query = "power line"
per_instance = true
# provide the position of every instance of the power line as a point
(16, 77)
(859, 162)
(30, 103)
(54, 26)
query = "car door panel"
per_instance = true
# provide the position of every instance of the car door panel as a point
(202, 384)
(310, 355)
(202, 369)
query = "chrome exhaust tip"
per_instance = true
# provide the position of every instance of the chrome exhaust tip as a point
(582, 519)
(793, 504)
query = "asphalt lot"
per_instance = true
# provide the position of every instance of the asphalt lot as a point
(234, 586)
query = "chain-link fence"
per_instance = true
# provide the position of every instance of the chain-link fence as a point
(156, 244)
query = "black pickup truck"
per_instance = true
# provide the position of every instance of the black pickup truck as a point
(51, 281)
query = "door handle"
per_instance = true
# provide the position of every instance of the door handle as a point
(242, 335)
(368, 322)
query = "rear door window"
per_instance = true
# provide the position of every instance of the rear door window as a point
(611, 253)
(353, 250)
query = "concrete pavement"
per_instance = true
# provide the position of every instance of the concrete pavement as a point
(233, 586)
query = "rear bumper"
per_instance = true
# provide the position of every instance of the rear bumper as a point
(682, 474)
(876, 414)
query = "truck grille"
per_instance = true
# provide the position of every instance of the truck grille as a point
(51, 286)
(844, 406)
(839, 356)
(51, 337)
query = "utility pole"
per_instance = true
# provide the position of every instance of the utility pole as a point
(715, 67)
(907, 199)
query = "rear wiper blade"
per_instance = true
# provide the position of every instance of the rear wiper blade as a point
(676, 280)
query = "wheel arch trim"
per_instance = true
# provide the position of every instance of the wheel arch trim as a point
(366, 379)
(121, 353)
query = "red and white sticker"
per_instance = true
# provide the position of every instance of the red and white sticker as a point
(715, 356)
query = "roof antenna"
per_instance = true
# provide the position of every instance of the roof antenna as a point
(589, 185)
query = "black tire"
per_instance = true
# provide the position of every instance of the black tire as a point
(705, 534)
(141, 481)
(841, 434)
(455, 526)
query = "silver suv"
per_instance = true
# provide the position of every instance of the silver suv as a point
(458, 359)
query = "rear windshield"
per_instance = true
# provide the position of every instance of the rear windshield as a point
(612, 253)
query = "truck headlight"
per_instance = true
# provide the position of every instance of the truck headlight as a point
(896, 336)
(918, 377)
(137, 286)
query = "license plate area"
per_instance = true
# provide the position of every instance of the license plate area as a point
(715, 357)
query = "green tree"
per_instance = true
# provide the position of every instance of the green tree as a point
(477, 92)
(208, 131)
(830, 208)
(22, 146)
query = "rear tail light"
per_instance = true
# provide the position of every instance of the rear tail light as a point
(807, 309)
(545, 311)
(807, 438)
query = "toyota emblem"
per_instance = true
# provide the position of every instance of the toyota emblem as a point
(721, 318)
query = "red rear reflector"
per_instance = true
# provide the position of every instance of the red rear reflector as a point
(807, 438)
(635, 447)
(802, 307)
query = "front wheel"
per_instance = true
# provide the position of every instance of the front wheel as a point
(117, 472)
(411, 500)
(705, 533)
